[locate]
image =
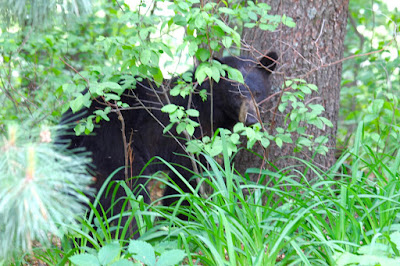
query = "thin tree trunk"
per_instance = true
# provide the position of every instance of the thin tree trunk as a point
(312, 51)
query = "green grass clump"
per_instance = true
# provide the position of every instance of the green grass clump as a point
(348, 214)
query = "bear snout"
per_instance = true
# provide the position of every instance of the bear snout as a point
(248, 113)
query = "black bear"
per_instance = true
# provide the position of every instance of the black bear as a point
(232, 102)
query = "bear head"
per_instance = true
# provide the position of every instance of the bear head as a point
(240, 101)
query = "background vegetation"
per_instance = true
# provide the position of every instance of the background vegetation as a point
(348, 214)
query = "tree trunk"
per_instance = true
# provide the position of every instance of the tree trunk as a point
(311, 51)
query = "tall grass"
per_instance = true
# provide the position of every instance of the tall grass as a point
(348, 214)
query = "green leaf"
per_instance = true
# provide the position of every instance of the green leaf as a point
(282, 107)
(249, 25)
(203, 54)
(169, 108)
(239, 127)
(192, 48)
(305, 89)
(77, 104)
(142, 251)
(288, 21)
(370, 117)
(313, 87)
(235, 138)
(108, 253)
(145, 56)
(200, 74)
(303, 142)
(265, 142)
(123, 262)
(252, 15)
(250, 133)
(326, 121)
(193, 113)
(171, 257)
(235, 74)
(223, 26)
(168, 127)
(278, 142)
(194, 146)
(89, 125)
(111, 96)
(395, 239)
(183, 5)
(215, 74)
(226, 10)
(190, 129)
(227, 41)
(267, 27)
(84, 260)
(377, 105)
(181, 127)
(158, 76)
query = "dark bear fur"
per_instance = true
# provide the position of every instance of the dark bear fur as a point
(232, 103)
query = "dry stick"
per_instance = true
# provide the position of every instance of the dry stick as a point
(87, 82)
(165, 93)
(179, 143)
(151, 114)
(121, 118)
(262, 125)
(76, 71)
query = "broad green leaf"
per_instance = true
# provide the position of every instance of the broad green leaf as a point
(171, 257)
(203, 54)
(226, 10)
(111, 96)
(265, 142)
(84, 260)
(278, 142)
(125, 262)
(79, 129)
(145, 56)
(77, 103)
(305, 89)
(215, 74)
(235, 74)
(190, 129)
(89, 125)
(313, 87)
(223, 26)
(252, 15)
(377, 105)
(168, 127)
(193, 112)
(142, 251)
(181, 127)
(169, 108)
(239, 127)
(288, 21)
(200, 74)
(227, 41)
(192, 48)
(108, 253)
(326, 121)
(158, 76)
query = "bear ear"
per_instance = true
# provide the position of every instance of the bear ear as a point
(269, 61)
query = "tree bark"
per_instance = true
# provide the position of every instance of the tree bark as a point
(311, 51)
